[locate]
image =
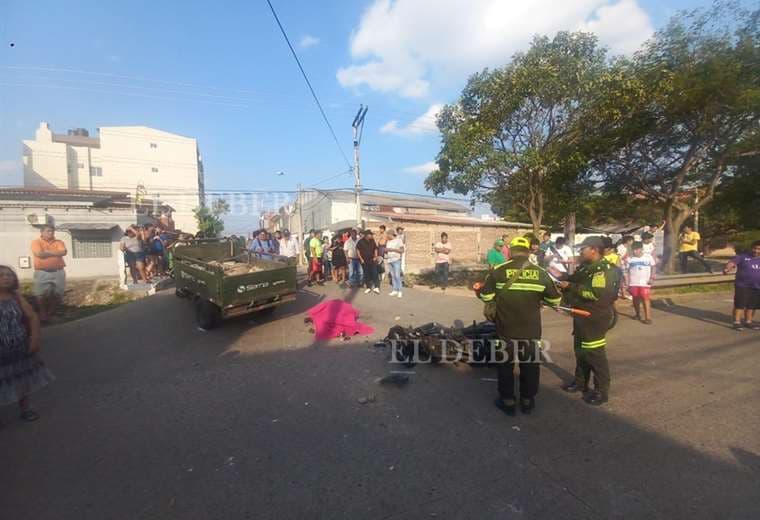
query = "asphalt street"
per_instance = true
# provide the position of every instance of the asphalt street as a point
(152, 418)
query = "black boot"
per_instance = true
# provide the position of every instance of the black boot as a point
(596, 398)
(573, 387)
(508, 406)
(527, 405)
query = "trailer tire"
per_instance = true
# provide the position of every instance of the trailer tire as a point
(207, 315)
(181, 293)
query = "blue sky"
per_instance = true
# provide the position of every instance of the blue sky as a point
(224, 75)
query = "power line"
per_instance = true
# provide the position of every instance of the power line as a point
(331, 178)
(308, 83)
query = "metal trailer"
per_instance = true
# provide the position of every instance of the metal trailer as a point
(200, 274)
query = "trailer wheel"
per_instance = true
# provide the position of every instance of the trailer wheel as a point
(181, 293)
(207, 315)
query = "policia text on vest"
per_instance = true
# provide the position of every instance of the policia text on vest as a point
(513, 293)
(594, 288)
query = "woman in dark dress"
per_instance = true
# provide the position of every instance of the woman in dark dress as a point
(339, 261)
(21, 369)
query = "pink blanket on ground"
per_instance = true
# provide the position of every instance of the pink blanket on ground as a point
(333, 318)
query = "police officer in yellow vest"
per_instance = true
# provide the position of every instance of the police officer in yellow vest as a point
(593, 287)
(513, 293)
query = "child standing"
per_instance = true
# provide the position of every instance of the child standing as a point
(640, 273)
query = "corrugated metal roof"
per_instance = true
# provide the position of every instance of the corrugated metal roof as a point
(87, 226)
(448, 219)
(60, 195)
(378, 199)
(85, 197)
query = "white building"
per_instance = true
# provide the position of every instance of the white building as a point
(142, 161)
(337, 209)
(90, 223)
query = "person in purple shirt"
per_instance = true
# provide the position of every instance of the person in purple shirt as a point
(746, 286)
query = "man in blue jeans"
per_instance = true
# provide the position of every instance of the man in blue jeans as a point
(352, 257)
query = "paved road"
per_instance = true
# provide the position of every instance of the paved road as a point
(152, 418)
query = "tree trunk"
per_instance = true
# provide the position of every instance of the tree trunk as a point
(535, 219)
(674, 218)
(570, 229)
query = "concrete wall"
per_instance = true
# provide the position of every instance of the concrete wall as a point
(342, 211)
(45, 162)
(16, 235)
(317, 210)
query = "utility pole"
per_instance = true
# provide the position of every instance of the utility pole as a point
(358, 127)
(301, 234)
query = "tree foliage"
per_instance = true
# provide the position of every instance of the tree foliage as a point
(513, 138)
(735, 207)
(209, 219)
(678, 116)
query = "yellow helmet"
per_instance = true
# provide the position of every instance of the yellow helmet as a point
(520, 242)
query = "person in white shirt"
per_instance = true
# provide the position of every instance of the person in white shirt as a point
(352, 258)
(559, 256)
(394, 248)
(649, 245)
(640, 272)
(400, 234)
(442, 252)
(623, 247)
(288, 245)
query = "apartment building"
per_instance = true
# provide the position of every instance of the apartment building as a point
(142, 161)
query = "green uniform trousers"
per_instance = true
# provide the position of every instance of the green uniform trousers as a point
(588, 361)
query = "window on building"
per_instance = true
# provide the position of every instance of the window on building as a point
(80, 165)
(154, 170)
(91, 244)
(153, 145)
(96, 171)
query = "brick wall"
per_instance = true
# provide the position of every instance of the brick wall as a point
(469, 244)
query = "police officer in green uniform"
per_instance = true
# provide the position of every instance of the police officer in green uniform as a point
(513, 293)
(593, 287)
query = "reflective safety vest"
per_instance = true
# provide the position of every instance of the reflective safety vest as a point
(517, 293)
(594, 288)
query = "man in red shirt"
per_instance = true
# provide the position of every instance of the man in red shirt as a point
(49, 274)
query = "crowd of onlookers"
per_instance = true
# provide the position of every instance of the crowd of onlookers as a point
(147, 251)
(351, 258)
(366, 258)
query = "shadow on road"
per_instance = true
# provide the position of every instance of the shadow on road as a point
(706, 316)
(163, 426)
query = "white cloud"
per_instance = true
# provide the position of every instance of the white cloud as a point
(623, 26)
(405, 46)
(422, 169)
(424, 124)
(308, 41)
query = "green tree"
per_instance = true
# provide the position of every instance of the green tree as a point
(734, 208)
(512, 138)
(682, 112)
(210, 223)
